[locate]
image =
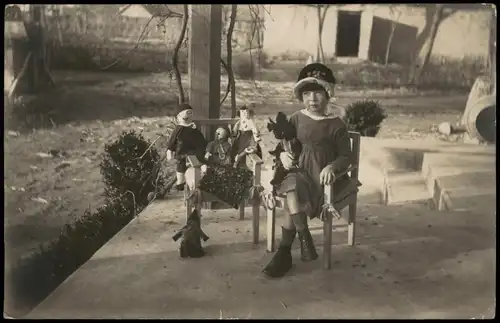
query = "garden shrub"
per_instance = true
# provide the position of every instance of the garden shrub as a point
(365, 117)
(35, 277)
(124, 170)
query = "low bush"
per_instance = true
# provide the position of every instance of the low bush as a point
(365, 117)
(129, 166)
(127, 186)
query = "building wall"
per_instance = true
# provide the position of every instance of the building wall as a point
(293, 29)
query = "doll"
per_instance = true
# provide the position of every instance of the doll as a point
(192, 235)
(185, 140)
(246, 137)
(218, 152)
(287, 134)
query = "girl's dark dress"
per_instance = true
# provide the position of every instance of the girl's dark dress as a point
(323, 141)
(185, 141)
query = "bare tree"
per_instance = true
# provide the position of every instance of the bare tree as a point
(437, 14)
(321, 10)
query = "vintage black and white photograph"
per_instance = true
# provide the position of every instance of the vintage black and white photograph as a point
(250, 161)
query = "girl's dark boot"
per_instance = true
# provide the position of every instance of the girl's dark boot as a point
(281, 262)
(307, 248)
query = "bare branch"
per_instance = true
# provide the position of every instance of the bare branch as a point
(139, 40)
(228, 88)
(229, 44)
(175, 56)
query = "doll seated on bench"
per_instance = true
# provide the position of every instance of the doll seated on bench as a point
(185, 140)
(218, 151)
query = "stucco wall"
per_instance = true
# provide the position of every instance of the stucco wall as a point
(293, 28)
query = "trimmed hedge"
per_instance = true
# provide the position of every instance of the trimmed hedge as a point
(35, 277)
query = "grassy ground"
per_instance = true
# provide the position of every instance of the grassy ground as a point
(43, 192)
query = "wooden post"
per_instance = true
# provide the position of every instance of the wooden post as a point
(204, 62)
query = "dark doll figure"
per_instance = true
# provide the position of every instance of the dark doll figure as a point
(192, 235)
(283, 130)
(219, 151)
(185, 140)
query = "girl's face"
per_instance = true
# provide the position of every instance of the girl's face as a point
(315, 101)
(185, 116)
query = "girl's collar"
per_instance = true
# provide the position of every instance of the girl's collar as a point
(315, 117)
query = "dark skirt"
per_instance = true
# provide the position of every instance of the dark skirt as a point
(310, 195)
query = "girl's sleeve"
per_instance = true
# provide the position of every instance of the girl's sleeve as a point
(342, 145)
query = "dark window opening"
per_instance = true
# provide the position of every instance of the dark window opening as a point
(348, 31)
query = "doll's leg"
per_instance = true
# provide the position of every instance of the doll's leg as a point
(181, 169)
(299, 218)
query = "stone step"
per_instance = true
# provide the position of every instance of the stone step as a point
(403, 187)
(462, 182)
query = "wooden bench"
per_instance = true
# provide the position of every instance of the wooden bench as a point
(253, 162)
(350, 201)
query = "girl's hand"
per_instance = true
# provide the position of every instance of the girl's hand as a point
(287, 160)
(327, 175)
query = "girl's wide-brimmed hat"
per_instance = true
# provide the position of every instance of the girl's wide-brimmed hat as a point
(314, 73)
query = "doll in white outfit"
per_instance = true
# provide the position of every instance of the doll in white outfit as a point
(246, 137)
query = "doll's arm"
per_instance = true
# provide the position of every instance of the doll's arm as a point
(209, 150)
(235, 129)
(172, 144)
(256, 132)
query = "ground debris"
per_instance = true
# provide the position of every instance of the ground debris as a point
(40, 200)
(44, 155)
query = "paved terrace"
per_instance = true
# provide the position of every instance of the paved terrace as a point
(409, 262)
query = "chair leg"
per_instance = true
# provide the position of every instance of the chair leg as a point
(256, 221)
(271, 221)
(351, 239)
(327, 241)
(242, 211)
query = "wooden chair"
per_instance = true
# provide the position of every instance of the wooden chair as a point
(253, 162)
(350, 201)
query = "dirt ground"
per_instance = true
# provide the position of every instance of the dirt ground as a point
(43, 192)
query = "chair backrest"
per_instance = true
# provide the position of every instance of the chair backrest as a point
(355, 139)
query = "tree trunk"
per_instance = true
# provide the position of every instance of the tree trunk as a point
(420, 66)
(230, 74)
(389, 42)
(320, 54)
